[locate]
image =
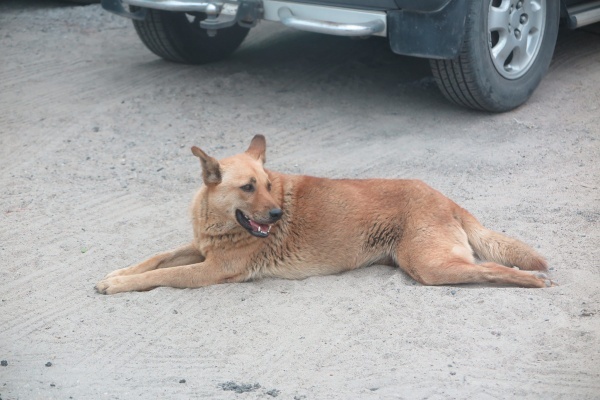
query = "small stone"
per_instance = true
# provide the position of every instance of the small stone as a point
(182, 381)
(48, 364)
(239, 388)
(4, 363)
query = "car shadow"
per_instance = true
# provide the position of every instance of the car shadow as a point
(284, 60)
(287, 60)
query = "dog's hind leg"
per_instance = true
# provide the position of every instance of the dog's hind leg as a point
(444, 257)
(456, 272)
(183, 255)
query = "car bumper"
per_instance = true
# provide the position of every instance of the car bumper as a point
(424, 28)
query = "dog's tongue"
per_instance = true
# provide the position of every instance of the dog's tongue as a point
(259, 227)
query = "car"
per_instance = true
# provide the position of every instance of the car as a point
(487, 55)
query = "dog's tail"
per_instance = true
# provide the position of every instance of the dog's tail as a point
(494, 246)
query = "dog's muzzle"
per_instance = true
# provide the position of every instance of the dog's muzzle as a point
(256, 228)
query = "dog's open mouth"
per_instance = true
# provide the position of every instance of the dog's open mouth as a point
(255, 228)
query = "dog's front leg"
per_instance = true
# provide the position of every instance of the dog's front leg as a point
(183, 255)
(186, 276)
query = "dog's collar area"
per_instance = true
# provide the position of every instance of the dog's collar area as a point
(255, 228)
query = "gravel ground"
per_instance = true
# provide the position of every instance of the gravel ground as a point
(96, 174)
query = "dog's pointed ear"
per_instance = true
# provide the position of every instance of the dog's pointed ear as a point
(258, 148)
(211, 170)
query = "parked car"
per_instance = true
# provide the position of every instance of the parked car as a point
(485, 54)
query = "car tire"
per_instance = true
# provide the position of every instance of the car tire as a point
(178, 37)
(506, 51)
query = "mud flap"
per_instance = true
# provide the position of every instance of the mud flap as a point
(437, 34)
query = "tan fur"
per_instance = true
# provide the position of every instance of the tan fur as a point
(328, 226)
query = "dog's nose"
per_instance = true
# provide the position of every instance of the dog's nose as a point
(275, 213)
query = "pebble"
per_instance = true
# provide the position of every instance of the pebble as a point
(48, 364)
(4, 363)
(239, 388)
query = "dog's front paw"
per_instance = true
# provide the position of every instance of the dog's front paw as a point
(111, 285)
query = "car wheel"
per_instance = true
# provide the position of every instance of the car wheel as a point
(507, 49)
(178, 37)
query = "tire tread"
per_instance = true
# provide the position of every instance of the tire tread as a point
(458, 82)
(165, 34)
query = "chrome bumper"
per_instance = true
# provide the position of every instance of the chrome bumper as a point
(178, 5)
(329, 20)
(307, 17)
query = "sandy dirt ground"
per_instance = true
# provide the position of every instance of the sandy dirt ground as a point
(96, 173)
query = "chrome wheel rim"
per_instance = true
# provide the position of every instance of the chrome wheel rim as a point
(515, 32)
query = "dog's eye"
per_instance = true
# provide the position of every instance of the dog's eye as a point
(249, 188)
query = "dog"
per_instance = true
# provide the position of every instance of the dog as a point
(250, 222)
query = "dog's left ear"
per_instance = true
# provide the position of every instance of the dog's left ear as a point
(258, 148)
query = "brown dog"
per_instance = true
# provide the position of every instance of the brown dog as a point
(250, 222)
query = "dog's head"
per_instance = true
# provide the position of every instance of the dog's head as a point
(239, 188)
